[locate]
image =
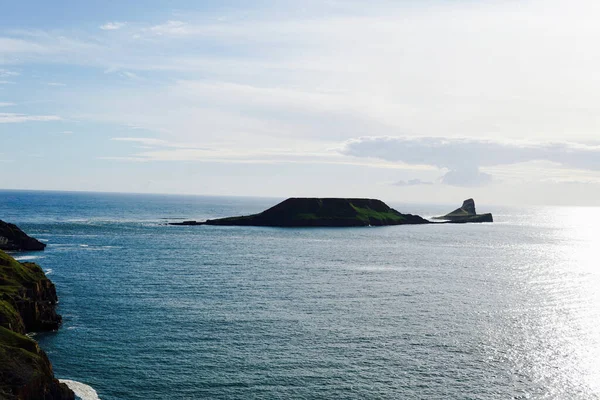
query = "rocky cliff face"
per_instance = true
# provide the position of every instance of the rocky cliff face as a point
(27, 304)
(13, 238)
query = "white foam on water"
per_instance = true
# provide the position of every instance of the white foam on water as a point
(48, 271)
(81, 390)
(26, 258)
(83, 245)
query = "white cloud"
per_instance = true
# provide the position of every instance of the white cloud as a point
(112, 26)
(6, 104)
(463, 158)
(56, 84)
(172, 28)
(145, 141)
(4, 73)
(130, 75)
(413, 182)
(6, 118)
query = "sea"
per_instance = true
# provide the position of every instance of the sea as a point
(507, 310)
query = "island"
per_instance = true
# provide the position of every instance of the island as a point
(466, 213)
(12, 238)
(321, 212)
(27, 304)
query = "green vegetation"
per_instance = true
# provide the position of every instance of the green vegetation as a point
(368, 214)
(27, 301)
(325, 212)
(14, 275)
(22, 362)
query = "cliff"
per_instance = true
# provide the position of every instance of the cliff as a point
(466, 213)
(13, 238)
(27, 303)
(321, 212)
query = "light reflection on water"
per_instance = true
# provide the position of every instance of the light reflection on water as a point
(507, 310)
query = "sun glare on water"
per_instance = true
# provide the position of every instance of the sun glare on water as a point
(570, 286)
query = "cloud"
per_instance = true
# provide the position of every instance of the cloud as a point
(6, 118)
(463, 158)
(4, 73)
(130, 75)
(56, 84)
(466, 176)
(112, 26)
(142, 140)
(412, 182)
(172, 28)
(6, 104)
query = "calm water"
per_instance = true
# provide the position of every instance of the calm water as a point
(492, 311)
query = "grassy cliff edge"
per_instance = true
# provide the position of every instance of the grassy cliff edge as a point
(27, 303)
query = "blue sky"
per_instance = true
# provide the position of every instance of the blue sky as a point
(410, 101)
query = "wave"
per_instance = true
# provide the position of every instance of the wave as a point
(81, 390)
(48, 271)
(26, 258)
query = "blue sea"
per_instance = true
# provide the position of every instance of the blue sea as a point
(509, 310)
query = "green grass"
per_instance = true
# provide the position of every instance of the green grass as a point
(366, 214)
(14, 276)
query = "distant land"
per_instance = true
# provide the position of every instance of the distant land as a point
(12, 238)
(335, 212)
(466, 213)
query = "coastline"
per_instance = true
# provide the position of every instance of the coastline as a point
(27, 305)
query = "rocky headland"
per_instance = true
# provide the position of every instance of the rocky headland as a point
(27, 304)
(321, 212)
(340, 212)
(14, 239)
(466, 213)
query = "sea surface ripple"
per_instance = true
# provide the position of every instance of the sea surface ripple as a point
(477, 311)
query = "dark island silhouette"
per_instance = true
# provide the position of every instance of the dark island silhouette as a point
(12, 238)
(329, 212)
(466, 213)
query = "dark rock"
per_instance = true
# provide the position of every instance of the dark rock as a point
(321, 212)
(187, 223)
(27, 303)
(466, 213)
(13, 238)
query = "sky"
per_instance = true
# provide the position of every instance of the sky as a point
(408, 100)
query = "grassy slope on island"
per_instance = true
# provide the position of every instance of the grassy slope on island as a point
(324, 212)
(27, 301)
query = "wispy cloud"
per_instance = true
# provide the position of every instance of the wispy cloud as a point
(6, 118)
(413, 182)
(5, 73)
(142, 140)
(172, 28)
(6, 104)
(56, 84)
(112, 26)
(463, 158)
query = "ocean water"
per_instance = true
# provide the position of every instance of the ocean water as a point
(509, 310)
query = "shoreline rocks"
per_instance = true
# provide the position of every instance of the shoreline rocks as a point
(12, 238)
(27, 304)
